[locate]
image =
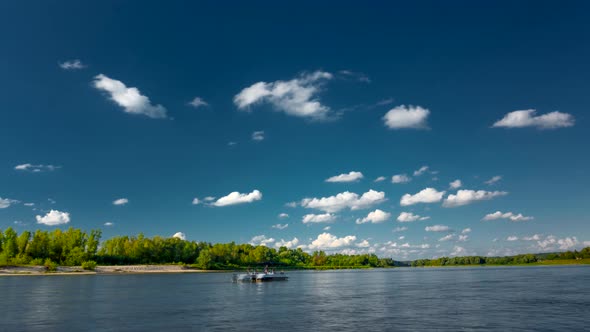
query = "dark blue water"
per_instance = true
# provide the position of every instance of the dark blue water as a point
(405, 299)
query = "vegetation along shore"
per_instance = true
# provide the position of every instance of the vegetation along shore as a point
(75, 251)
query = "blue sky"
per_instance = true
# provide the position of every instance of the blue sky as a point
(265, 109)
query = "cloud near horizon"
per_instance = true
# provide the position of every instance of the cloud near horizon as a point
(53, 218)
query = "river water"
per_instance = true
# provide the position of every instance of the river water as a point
(543, 298)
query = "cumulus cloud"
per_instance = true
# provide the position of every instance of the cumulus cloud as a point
(551, 242)
(527, 118)
(437, 228)
(130, 99)
(318, 218)
(463, 238)
(512, 238)
(455, 184)
(350, 177)
(296, 97)
(7, 202)
(258, 136)
(198, 102)
(280, 226)
(179, 235)
(238, 198)
(421, 170)
(410, 217)
(72, 65)
(428, 195)
(380, 179)
(54, 218)
(459, 251)
(447, 238)
(400, 117)
(535, 237)
(400, 178)
(363, 244)
(508, 215)
(329, 241)
(120, 201)
(345, 200)
(36, 168)
(493, 180)
(464, 197)
(374, 217)
(283, 215)
(261, 240)
(289, 244)
(466, 230)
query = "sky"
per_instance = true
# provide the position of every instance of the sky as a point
(408, 130)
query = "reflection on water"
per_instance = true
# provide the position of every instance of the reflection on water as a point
(527, 298)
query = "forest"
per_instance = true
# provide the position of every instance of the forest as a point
(75, 247)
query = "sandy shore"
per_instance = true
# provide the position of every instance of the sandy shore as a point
(76, 270)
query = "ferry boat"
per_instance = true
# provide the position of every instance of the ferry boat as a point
(260, 276)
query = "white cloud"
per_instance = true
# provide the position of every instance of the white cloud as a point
(447, 238)
(551, 242)
(466, 230)
(291, 204)
(400, 229)
(109, 224)
(400, 178)
(363, 244)
(493, 180)
(130, 99)
(401, 237)
(421, 171)
(527, 118)
(36, 168)
(258, 136)
(280, 226)
(296, 97)
(120, 201)
(535, 237)
(53, 218)
(345, 200)
(374, 217)
(380, 179)
(329, 241)
(318, 218)
(428, 195)
(283, 215)
(437, 228)
(196, 201)
(512, 238)
(289, 244)
(350, 177)
(464, 197)
(463, 238)
(72, 65)
(232, 143)
(456, 184)
(7, 202)
(238, 198)
(586, 243)
(361, 77)
(508, 215)
(410, 217)
(406, 117)
(179, 235)
(209, 198)
(198, 102)
(327, 228)
(261, 240)
(29, 204)
(459, 251)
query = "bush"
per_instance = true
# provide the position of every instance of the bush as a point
(89, 265)
(36, 261)
(50, 266)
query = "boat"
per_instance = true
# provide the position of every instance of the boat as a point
(260, 276)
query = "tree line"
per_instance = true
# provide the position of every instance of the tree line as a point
(75, 247)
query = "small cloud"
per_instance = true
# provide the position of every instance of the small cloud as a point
(198, 102)
(232, 143)
(527, 118)
(463, 238)
(380, 179)
(258, 136)
(109, 224)
(465, 197)
(512, 238)
(179, 235)
(209, 198)
(288, 244)
(261, 240)
(54, 218)
(235, 197)
(455, 184)
(402, 117)
(36, 168)
(493, 180)
(508, 215)
(350, 177)
(345, 200)
(7, 202)
(536, 237)
(400, 178)
(130, 99)
(291, 204)
(421, 170)
(401, 238)
(329, 241)
(447, 238)
(428, 195)
(120, 201)
(374, 217)
(280, 226)
(318, 218)
(437, 228)
(283, 215)
(72, 65)
(466, 230)
(410, 217)
(348, 74)
(196, 201)
(400, 229)
(327, 228)
(29, 204)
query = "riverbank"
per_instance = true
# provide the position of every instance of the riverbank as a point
(114, 269)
